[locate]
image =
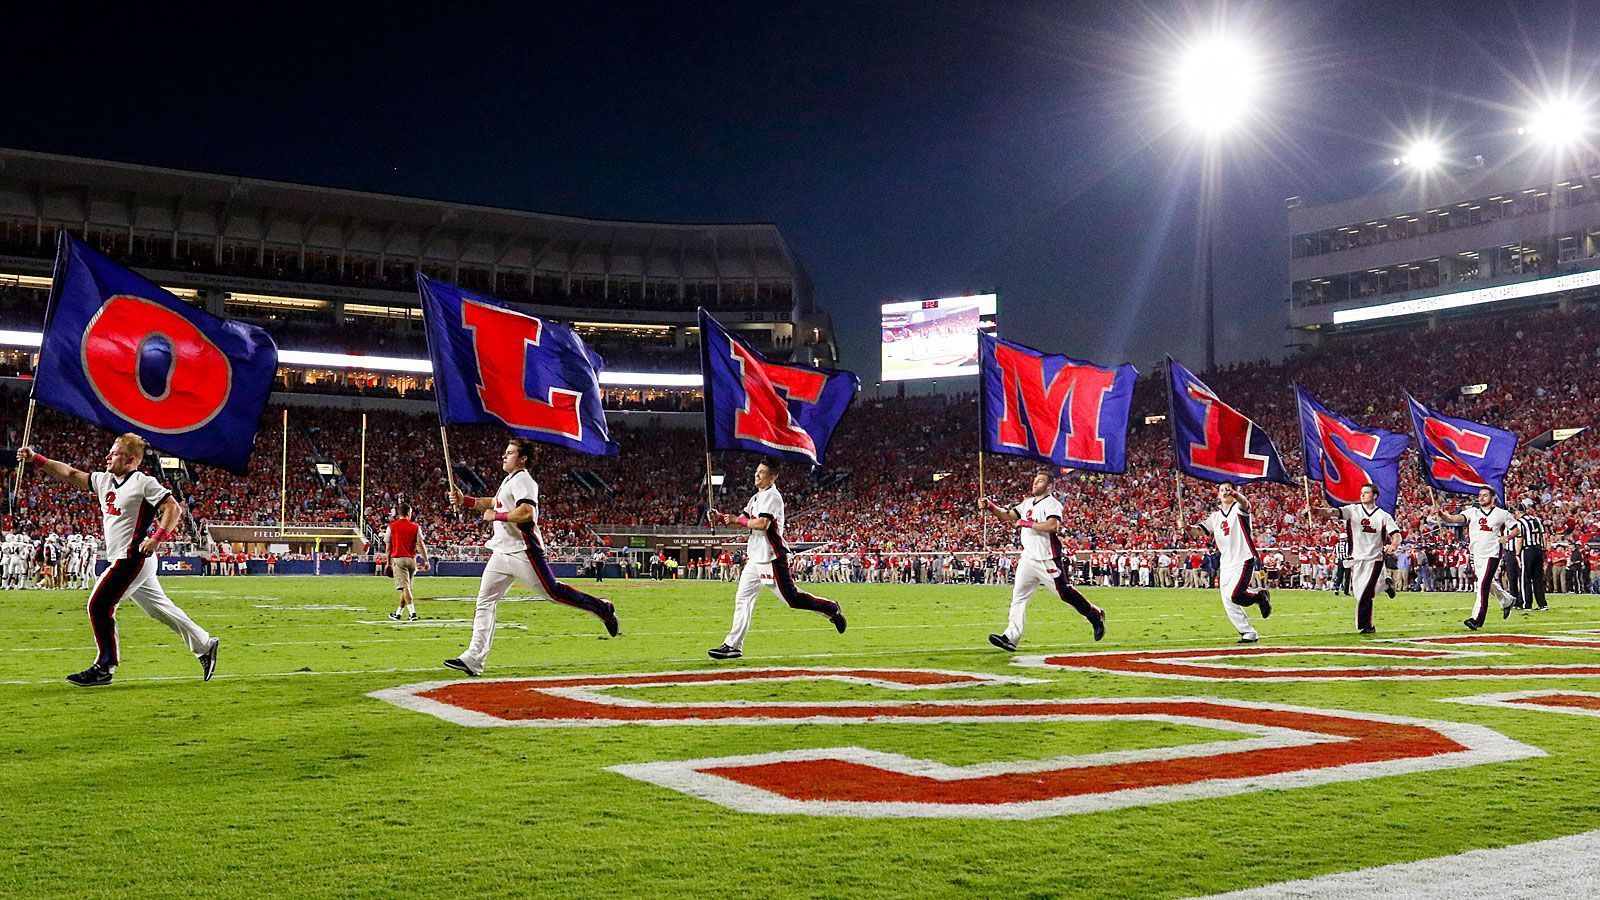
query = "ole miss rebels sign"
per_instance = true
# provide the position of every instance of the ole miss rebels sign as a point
(126, 355)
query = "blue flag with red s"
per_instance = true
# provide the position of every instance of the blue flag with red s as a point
(495, 365)
(1343, 456)
(776, 409)
(126, 355)
(1212, 440)
(1459, 456)
(1052, 408)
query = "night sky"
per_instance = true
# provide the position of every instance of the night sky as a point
(905, 149)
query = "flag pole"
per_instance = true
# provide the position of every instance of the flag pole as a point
(361, 492)
(981, 495)
(33, 383)
(283, 474)
(1177, 511)
(710, 500)
(444, 441)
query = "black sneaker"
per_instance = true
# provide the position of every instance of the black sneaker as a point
(1505, 611)
(724, 652)
(1369, 630)
(208, 659)
(415, 617)
(1003, 642)
(1471, 625)
(1249, 638)
(1265, 603)
(838, 620)
(395, 616)
(93, 676)
(460, 666)
(1388, 587)
(613, 627)
(1098, 623)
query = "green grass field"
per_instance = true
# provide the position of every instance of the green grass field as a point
(283, 777)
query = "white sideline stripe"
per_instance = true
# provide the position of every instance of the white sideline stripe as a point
(1565, 868)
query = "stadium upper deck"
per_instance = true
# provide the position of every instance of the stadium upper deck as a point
(333, 269)
(1512, 235)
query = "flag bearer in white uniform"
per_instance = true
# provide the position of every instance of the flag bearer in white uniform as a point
(1038, 520)
(130, 503)
(1371, 532)
(1229, 527)
(1489, 527)
(517, 555)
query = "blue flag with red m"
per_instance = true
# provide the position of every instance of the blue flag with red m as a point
(1460, 456)
(1343, 456)
(495, 365)
(126, 355)
(778, 409)
(1212, 440)
(1052, 408)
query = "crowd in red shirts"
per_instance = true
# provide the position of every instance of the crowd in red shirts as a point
(912, 463)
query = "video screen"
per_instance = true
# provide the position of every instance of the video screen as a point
(935, 338)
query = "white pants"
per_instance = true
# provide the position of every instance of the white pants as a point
(1231, 576)
(1032, 574)
(752, 579)
(145, 590)
(498, 575)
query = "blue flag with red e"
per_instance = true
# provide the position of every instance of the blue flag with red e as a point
(1052, 408)
(1460, 456)
(1343, 456)
(495, 365)
(777, 409)
(128, 356)
(1212, 440)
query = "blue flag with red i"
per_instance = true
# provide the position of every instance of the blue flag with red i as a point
(1212, 440)
(126, 355)
(1052, 408)
(1459, 456)
(1343, 456)
(495, 365)
(777, 409)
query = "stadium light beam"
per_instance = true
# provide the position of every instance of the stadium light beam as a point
(1215, 85)
(1424, 155)
(1557, 123)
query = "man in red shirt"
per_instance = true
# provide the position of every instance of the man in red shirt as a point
(405, 540)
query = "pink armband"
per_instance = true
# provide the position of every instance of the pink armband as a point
(743, 520)
(994, 507)
(39, 459)
(501, 516)
(162, 535)
(1025, 523)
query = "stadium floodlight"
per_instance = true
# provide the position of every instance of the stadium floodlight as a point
(1424, 155)
(1215, 84)
(1557, 123)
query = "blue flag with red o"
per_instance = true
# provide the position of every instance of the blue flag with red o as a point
(126, 355)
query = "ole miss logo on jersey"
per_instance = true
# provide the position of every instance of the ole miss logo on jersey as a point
(111, 504)
(1366, 526)
(1483, 525)
(1226, 528)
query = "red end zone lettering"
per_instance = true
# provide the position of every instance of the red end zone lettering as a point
(1282, 746)
(1203, 664)
(1577, 703)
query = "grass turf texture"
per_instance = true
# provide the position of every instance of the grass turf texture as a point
(282, 777)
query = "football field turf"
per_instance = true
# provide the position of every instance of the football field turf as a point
(284, 775)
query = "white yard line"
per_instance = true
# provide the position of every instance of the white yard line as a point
(1566, 868)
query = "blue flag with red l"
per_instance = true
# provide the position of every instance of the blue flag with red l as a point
(1052, 408)
(777, 409)
(495, 365)
(1212, 440)
(1459, 456)
(126, 355)
(1343, 456)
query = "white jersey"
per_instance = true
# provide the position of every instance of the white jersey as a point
(1230, 529)
(1484, 530)
(127, 510)
(1040, 545)
(1369, 528)
(504, 537)
(764, 503)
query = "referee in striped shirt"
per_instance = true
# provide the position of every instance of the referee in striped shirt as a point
(1531, 538)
